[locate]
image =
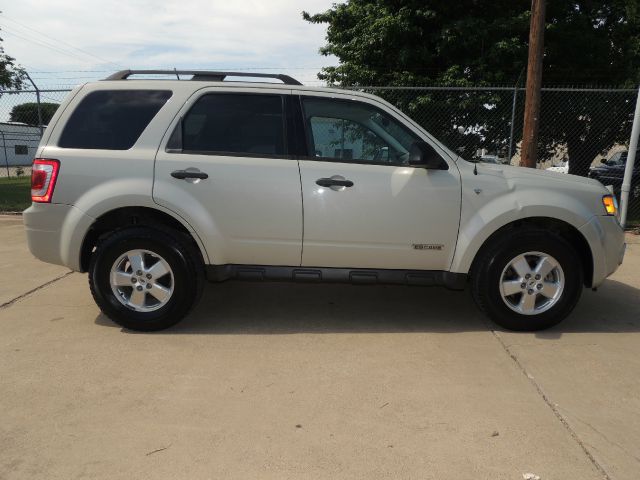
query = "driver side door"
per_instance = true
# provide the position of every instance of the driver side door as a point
(364, 205)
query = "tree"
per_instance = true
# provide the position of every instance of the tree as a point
(11, 74)
(28, 113)
(485, 42)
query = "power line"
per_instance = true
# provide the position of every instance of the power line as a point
(57, 100)
(44, 45)
(58, 40)
(73, 71)
(64, 78)
(188, 68)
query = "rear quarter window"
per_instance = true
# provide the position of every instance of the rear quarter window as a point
(112, 119)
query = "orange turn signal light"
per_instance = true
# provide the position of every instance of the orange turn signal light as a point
(610, 205)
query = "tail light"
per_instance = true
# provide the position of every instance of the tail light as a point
(44, 173)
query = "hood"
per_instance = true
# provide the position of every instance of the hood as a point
(511, 172)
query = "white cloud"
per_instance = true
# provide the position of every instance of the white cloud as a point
(268, 35)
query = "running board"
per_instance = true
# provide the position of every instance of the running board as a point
(360, 276)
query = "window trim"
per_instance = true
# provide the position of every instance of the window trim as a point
(176, 136)
(298, 144)
(309, 145)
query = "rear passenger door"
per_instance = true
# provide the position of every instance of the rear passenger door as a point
(247, 206)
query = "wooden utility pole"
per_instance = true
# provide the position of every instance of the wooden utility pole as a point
(534, 81)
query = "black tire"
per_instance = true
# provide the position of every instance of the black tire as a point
(180, 254)
(494, 258)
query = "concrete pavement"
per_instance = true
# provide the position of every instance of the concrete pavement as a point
(20, 271)
(307, 381)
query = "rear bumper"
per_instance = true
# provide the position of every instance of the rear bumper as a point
(55, 233)
(606, 239)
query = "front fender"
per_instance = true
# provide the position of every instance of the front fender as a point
(489, 204)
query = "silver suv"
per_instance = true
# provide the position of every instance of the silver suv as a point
(153, 186)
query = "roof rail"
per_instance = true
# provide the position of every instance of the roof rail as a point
(205, 75)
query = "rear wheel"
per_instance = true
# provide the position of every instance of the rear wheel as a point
(146, 279)
(528, 280)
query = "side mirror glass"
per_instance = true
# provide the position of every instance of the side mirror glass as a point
(424, 155)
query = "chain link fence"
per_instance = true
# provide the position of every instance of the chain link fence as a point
(585, 131)
(582, 130)
(24, 115)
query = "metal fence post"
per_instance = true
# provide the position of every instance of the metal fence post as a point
(513, 119)
(631, 157)
(6, 158)
(35, 87)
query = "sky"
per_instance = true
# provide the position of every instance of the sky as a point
(63, 43)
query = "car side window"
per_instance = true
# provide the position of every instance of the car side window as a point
(351, 131)
(235, 123)
(112, 119)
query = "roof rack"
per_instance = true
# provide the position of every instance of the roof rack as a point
(204, 75)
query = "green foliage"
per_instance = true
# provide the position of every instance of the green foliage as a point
(389, 42)
(11, 75)
(28, 113)
(485, 42)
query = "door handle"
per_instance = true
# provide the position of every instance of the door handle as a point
(182, 174)
(334, 182)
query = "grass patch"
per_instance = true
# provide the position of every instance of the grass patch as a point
(15, 194)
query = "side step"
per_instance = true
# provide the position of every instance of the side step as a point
(360, 276)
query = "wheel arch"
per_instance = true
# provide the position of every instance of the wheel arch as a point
(567, 231)
(123, 217)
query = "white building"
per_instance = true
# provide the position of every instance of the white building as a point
(18, 143)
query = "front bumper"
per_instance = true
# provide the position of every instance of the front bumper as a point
(55, 233)
(606, 239)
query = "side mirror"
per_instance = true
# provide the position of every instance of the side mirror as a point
(424, 155)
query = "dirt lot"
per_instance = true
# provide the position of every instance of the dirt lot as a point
(304, 381)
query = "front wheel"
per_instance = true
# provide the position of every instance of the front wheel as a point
(146, 279)
(528, 280)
